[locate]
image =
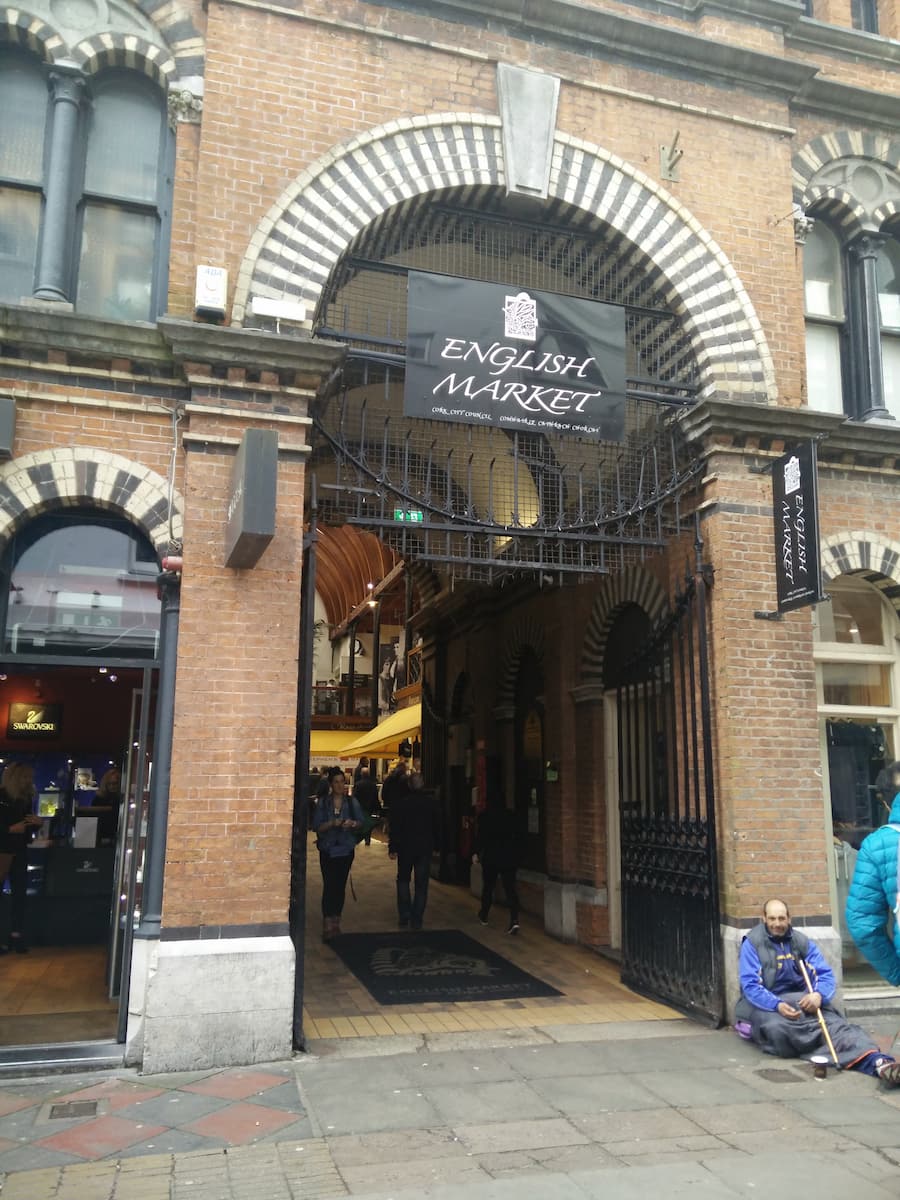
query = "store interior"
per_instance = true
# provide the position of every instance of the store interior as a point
(72, 725)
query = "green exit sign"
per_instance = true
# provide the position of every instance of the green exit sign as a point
(415, 515)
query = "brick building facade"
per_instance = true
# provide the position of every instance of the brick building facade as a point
(740, 162)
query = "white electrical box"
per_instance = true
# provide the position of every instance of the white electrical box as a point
(282, 310)
(211, 292)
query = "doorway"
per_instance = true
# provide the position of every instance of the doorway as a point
(90, 767)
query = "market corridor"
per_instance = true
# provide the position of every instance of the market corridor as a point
(336, 1005)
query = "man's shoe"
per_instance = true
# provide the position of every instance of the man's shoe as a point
(482, 919)
(889, 1073)
(514, 927)
(416, 928)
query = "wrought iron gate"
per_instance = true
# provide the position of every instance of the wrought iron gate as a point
(671, 946)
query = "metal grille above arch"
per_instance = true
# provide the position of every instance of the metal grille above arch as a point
(482, 502)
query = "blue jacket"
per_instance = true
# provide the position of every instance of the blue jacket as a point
(337, 843)
(873, 895)
(764, 984)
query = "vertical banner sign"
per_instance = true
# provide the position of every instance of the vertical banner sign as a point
(796, 511)
(489, 354)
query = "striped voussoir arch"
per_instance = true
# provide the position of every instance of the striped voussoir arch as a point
(23, 29)
(128, 51)
(79, 475)
(526, 634)
(634, 586)
(845, 214)
(876, 558)
(303, 237)
(820, 153)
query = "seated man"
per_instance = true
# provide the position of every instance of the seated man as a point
(782, 1013)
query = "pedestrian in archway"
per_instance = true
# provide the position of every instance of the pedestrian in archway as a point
(335, 821)
(497, 848)
(415, 832)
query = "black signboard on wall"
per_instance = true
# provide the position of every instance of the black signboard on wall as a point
(796, 511)
(489, 354)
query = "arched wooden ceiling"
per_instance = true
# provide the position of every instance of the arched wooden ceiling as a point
(347, 561)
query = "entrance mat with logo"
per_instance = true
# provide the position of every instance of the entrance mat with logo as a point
(437, 966)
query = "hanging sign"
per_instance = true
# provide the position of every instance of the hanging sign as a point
(490, 354)
(250, 516)
(796, 511)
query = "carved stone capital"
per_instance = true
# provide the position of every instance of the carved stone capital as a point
(802, 225)
(867, 245)
(184, 107)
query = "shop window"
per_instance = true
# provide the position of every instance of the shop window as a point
(852, 311)
(81, 584)
(858, 674)
(84, 209)
(864, 15)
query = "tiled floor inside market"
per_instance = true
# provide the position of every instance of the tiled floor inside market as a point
(337, 1006)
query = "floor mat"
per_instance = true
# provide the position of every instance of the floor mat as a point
(440, 965)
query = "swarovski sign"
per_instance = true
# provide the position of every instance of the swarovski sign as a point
(483, 353)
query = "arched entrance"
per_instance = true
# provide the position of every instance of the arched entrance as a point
(480, 506)
(77, 689)
(78, 671)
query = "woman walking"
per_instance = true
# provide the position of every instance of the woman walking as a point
(336, 821)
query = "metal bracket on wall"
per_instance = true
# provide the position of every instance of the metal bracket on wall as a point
(669, 159)
(763, 615)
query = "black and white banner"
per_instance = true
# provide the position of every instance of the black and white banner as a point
(487, 354)
(796, 509)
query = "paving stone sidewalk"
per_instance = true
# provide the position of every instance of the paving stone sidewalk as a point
(562, 1114)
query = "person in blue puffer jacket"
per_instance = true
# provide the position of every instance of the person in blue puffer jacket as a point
(875, 890)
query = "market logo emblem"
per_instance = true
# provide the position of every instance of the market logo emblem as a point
(27, 720)
(464, 366)
(520, 317)
(389, 960)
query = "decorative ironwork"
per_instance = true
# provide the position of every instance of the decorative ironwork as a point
(670, 903)
(482, 503)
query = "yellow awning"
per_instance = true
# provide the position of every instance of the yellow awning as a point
(384, 740)
(328, 741)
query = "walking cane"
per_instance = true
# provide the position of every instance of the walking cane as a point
(809, 987)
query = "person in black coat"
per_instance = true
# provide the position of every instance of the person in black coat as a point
(414, 834)
(365, 789)
(497, 847)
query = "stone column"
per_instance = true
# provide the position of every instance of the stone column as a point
(54, 261)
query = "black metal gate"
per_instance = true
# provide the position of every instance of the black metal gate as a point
(671, 946)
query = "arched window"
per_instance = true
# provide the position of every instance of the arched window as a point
(84, 208)
(82, 584)
(23, 102)
(122, 199)
(852, 310)
(824, 305)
